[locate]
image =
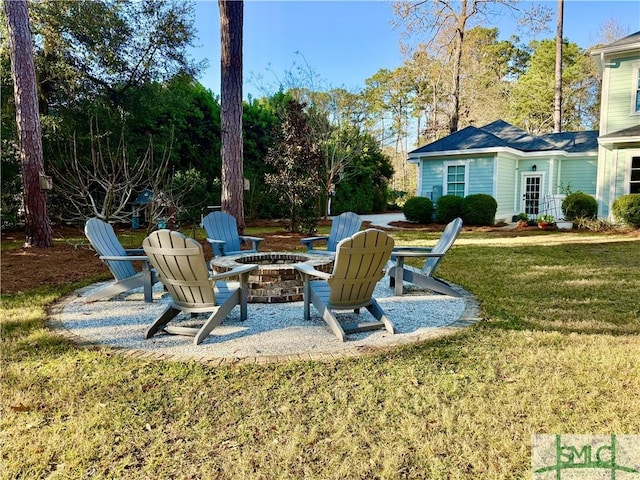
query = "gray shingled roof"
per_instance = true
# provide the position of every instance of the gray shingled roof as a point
(629, 39)
(627, 132)
(573, 142)
(465, 139)
(502, 134)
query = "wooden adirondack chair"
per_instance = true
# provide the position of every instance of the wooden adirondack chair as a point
(358, 266)
(182, 269)
(118, 259)
(343, 226)
(399, 272)
(222, 235)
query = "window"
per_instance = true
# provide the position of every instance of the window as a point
(634, 185)
(456, 175)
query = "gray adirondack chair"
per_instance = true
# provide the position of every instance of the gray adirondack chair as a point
(399, 272)
(222, 235)
(342, 226)
(358, 266)
(118, 259)
(181, 267)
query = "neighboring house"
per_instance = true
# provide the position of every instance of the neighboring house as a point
(530, 174)
(619, 141)
(524, 173)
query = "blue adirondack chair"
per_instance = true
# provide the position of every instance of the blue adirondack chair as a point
(399, 272)
(222, 235)
(343, 226)
(118, 259)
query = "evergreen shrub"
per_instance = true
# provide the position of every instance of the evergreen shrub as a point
(579, 205)
(479, 209)
(448, 207)
(627, 209)
(418, 210)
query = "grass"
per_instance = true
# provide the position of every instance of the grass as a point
(557, 352)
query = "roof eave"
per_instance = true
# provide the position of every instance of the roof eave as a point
(416, 157)
(611, 141)
(615, 49)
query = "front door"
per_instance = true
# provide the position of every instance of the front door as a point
(531, 194)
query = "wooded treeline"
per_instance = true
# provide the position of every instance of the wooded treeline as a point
(117, 87)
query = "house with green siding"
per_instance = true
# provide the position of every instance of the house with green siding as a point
(619, 140)
(531, 173)
(524, 173)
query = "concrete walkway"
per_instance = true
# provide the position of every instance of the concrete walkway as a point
(383, 219)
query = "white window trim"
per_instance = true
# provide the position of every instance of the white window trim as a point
(455, 163)
(627, 174)
(635, 87)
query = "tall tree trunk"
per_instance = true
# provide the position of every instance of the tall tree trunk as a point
(557, 108)
(231, 18)
(457, 69)
(37, 226)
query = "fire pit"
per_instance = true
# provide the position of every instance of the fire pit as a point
(275, 280)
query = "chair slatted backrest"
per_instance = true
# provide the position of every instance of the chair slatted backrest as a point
(222, 226)
(103, 239)
(181, 267)
(358, 266)
(445, 242)
(343, 226)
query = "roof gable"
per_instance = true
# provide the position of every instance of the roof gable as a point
(516, 137)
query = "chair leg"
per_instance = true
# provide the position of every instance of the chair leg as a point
(217, 317)
(169, 314)
(328, 316)
(306, 291)
(432, 283)
(147, 282)
(116, 288)
(244, 295)
(376, 310)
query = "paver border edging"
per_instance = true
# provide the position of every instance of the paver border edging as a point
(469, 317)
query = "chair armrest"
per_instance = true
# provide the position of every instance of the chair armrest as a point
(132, 258)
(255, 240)
(234, 272)
(218, 242)
(309, 241)
(412, 249)
(415, 253)
(312, 272)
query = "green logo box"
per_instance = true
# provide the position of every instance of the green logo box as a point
(585, 457)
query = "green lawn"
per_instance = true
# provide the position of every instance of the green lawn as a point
(558, 351)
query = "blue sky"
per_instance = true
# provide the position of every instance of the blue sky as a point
(345, 42)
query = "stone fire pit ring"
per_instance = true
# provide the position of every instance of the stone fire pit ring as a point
(275, 280)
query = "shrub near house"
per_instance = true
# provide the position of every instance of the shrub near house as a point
(579, 205)
(418, 210)
(479, 209)
(627, 209)
(448, 207)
